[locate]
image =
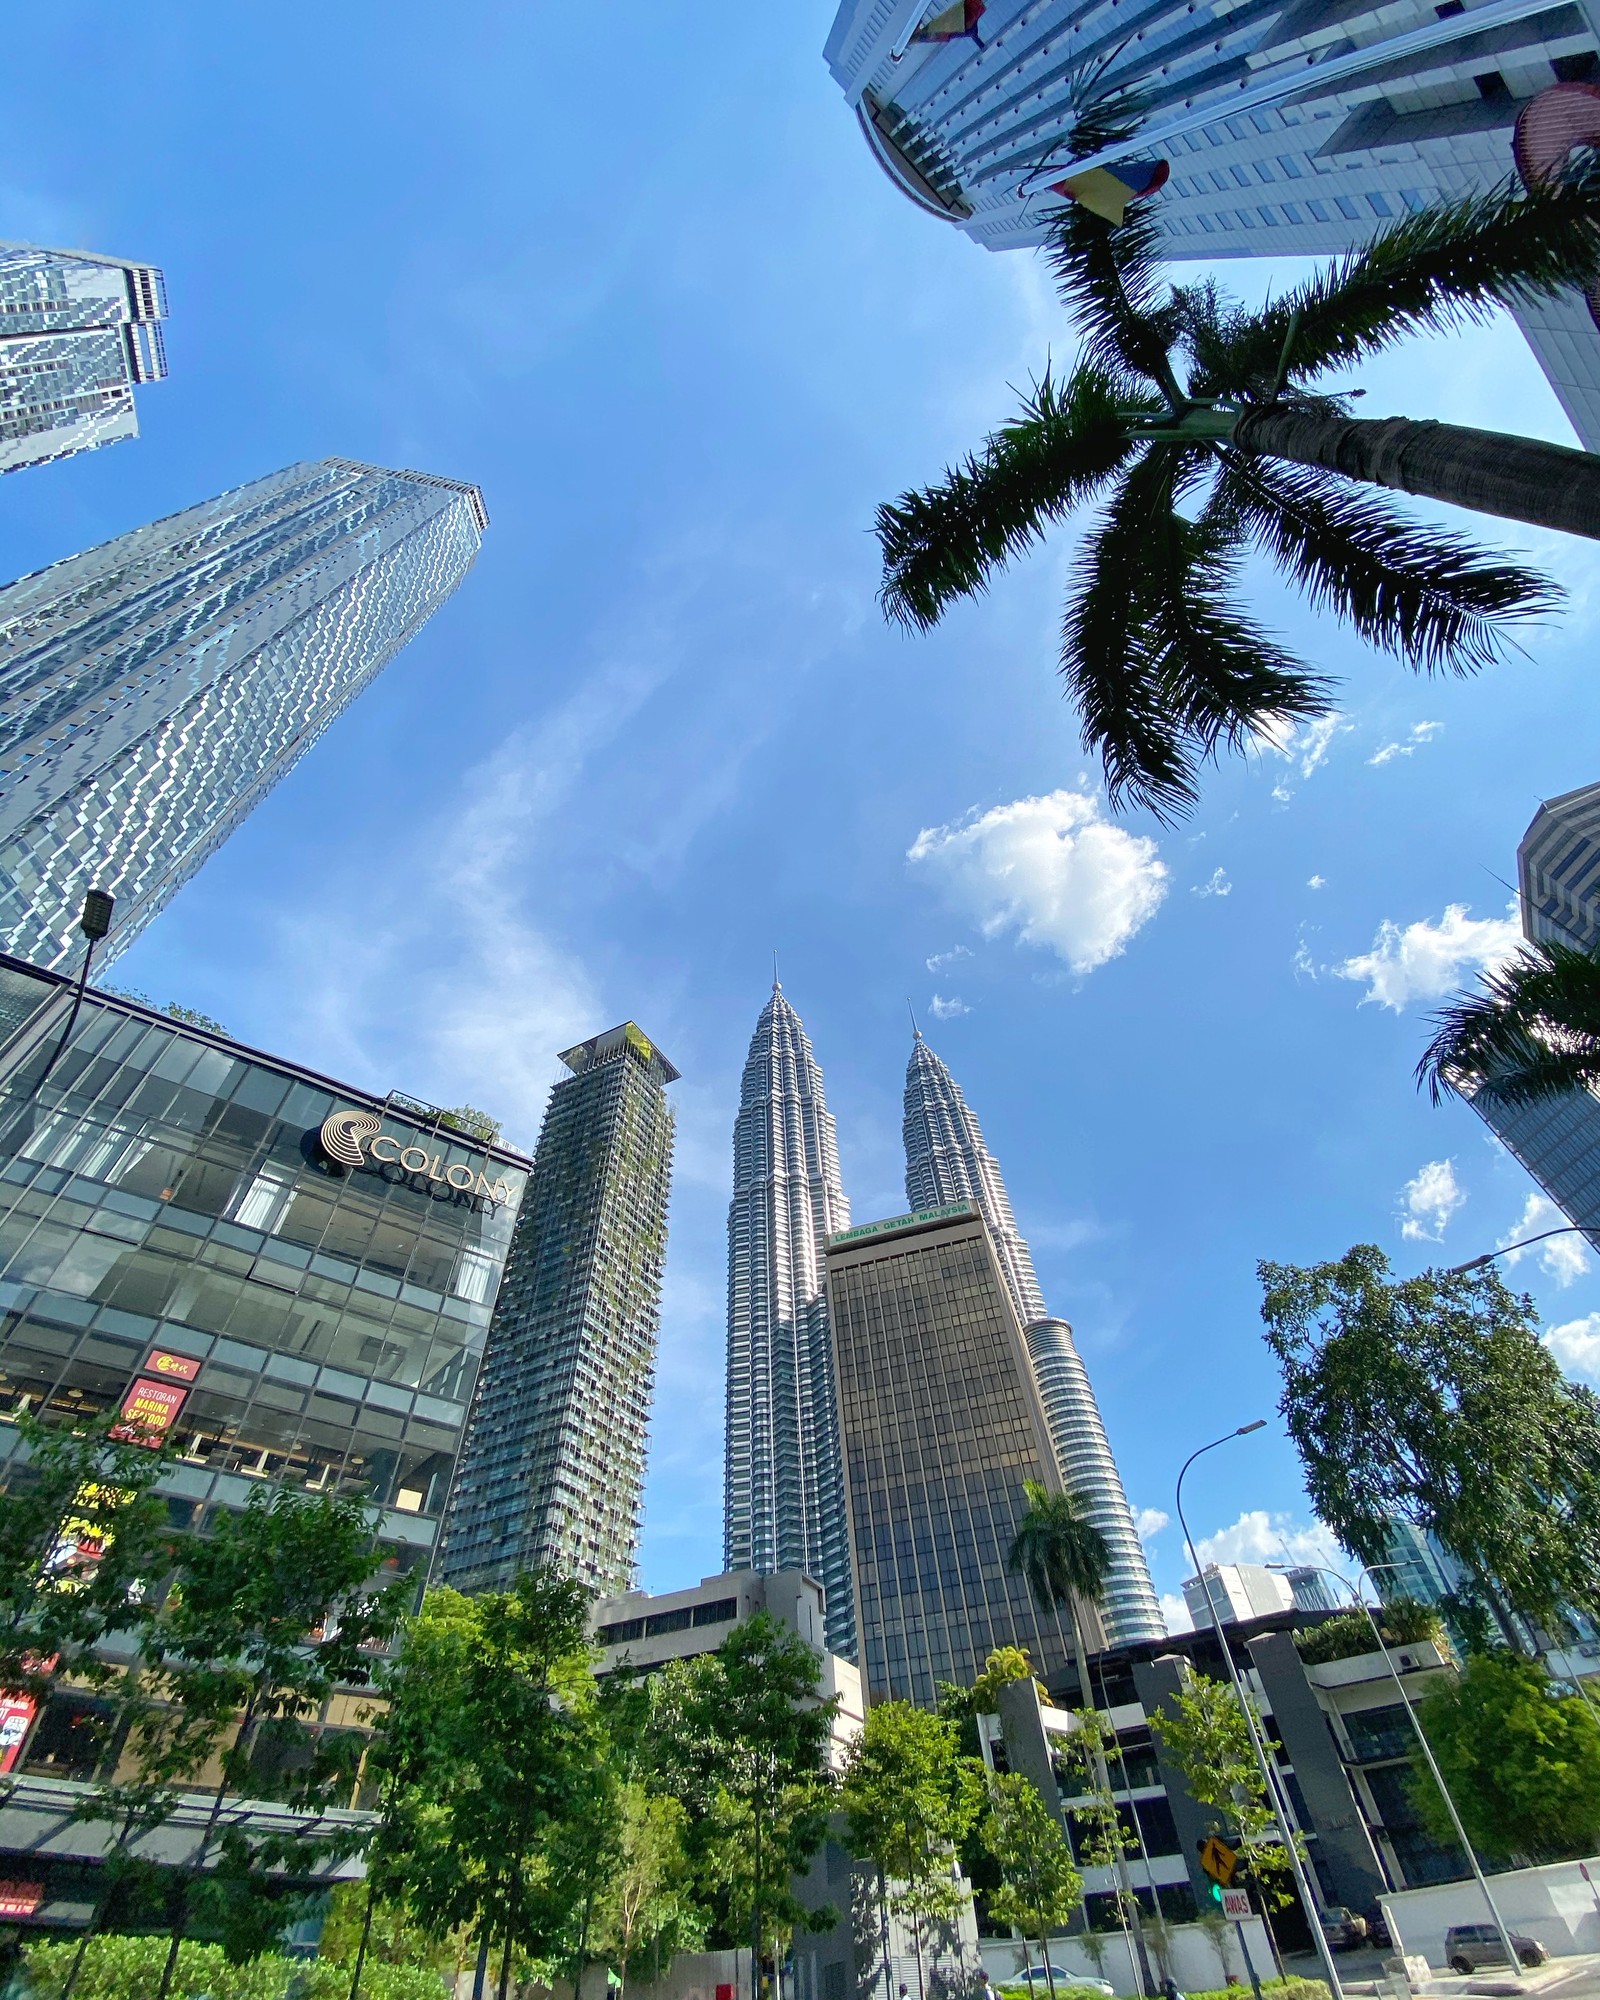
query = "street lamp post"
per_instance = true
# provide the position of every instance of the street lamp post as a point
(1505, 1250)
(1369, 1570)
(1280, 1811)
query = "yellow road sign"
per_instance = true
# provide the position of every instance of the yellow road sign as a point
(1218, 1859)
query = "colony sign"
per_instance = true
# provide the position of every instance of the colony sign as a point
(357, 1139)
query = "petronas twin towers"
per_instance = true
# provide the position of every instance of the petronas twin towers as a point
(784, 1494)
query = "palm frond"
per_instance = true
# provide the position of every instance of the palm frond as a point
(1109, 276)
(1423, 593)
(1531, 1034)
(1161, 664)
(1447, 266)
(946, 541)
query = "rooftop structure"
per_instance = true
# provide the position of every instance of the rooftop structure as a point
(78, 332)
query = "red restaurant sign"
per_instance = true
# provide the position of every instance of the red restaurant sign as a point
(20, 1899)
(175, 1367)
(149, 1407)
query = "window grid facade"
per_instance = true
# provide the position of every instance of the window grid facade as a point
(783, 1491)
(947, 1161)
(1348, 124)
(941, 1424)
(155, 689)
(77, 332)
(552, 1470)
(165, 1190)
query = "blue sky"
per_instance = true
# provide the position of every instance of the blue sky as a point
(632, 270)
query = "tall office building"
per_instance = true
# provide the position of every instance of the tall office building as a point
(946, 1161)
(156, 688)
(77, 332)
(1558, 873)
(783, 1496)
(941, 1423)
(552, 1469)
(1289, 130)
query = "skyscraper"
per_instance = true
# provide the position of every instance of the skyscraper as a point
(783, 1496)
(941, 1424)
(1289, 130)
(77, 331)
(157, 687)
(1558, 872)
(552, 1468)
(947, 1161)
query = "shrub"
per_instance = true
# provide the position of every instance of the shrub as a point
(129, 1968)
(1402, 1623)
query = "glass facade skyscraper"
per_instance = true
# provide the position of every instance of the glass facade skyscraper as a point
(947, 1161)
(783, 1496)
(1558, 872)
(941, 1423)
(154, 690)
(77, 332)
(172, 1218)
(1290, 131)
(552, 1470)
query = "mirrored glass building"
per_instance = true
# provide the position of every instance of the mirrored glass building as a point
(77, 333)
(154, 690)
(292, 1276)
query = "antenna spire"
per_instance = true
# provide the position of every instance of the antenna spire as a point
(916, 1031)
(777, 983)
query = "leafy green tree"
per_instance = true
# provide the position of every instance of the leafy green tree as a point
(647, 1909)
(271, 1610)
(383, 1931)
(1203, 427)
(1521, 1761)
(740, 1736)
(909, 1799)
(1203, 1730)
(1039, 1886)
(1434, 1399)
(1003, 1666)
(1531, 1032)
(1100, 1837)
(495, 1767)
(1402, 1622)
(84, 1540)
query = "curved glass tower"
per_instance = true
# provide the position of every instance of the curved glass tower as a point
(947, 1161)
(784, 1493)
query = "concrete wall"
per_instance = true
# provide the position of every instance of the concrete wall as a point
(1199, 1957)
(1553, 1905)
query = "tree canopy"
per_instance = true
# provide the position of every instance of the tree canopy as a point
(1434, 1400)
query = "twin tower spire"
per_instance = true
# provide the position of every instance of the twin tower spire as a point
(784, 1492)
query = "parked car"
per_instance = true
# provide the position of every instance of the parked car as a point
(1378, 1930)
(1468, 1946)
(1036, 1982)
(1343, 1929)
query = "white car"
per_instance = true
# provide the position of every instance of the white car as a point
(1037, 1982)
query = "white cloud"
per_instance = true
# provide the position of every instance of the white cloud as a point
(1217, 885)
(1577, 1346)
(1564, 1258)
(1052, 870)
(1260, 1537)
(1305, 966)
(1305, 747)
(946, 1010)
(1422, 732)
(1431, 1197)
(1315, 882)
(941, 959)
(1176, 1612)
(1149, 1521)
(1425, 960)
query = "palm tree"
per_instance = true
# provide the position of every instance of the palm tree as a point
(1531, 1034)
(1066, 1560)
(1198, 423)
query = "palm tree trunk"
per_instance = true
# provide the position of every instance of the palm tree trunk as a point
(1132, 1927)
(1516, 478)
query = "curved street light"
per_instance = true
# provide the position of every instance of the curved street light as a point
(1369, 1570)
(1488, 1257)
(1280, 1812)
